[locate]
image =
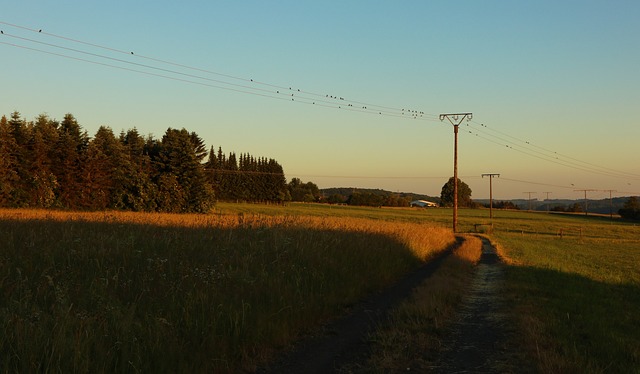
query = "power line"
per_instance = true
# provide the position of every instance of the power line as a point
(537, 183)
(289, 93)
(286, 96)
(374, 177)
(295, 94)
(551, 156)
(558, 155)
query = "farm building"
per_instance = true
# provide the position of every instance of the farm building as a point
(423, 203)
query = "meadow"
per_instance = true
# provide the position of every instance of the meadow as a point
(226, 291)
(130, 292)
(573, 299)
(576, 298)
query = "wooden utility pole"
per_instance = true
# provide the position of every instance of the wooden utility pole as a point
(586, 212)
(611, 202)
(490, 175)
(547, 199)
(529, 192)
(455, 119)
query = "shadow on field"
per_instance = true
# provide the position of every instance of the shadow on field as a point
(574, 324)
(127, 297)
(343, 341)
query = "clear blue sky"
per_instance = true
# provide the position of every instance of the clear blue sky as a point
(563, 76)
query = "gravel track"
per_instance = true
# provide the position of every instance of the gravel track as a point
(477, 341)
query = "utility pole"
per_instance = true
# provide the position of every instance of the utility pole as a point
(490, 175)
(455, 119)
(547, 199)
(611, 202)
(529, 192)
(586, 212)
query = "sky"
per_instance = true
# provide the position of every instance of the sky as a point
(552, 86)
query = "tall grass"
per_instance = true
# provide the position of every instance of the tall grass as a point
(411, 339)
(131, 292)
(575, 299)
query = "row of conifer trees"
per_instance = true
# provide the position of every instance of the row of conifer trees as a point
(47, 163)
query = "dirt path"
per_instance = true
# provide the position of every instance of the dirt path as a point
(477, 342)
(345, 340)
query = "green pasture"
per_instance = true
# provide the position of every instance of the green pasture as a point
(576, 297)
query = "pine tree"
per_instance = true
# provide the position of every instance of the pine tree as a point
(20, 160)
(44, 183)
(8, 176)
(67, 165)
(182, 187)
(105, 171)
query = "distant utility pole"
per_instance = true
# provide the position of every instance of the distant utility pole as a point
(610, 202)
(547, 199)
(586, 212)
(455, 119)
(530, 192)
(490, 175)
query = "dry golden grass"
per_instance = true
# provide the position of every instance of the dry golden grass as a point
(113, 291)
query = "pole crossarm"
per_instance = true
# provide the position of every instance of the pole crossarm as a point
(456, 118)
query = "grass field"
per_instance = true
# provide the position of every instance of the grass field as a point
(576, 299)
(222, 292)
(105, 292)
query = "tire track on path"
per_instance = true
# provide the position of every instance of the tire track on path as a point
(345, 340)
(477, 342)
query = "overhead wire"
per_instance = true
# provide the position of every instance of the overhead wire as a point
(288, 93)
(378, 177)
(308, 97)
(553, 158)
(137, 71)
(555, 153)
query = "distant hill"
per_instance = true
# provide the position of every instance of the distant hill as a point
(603, 206)
(347, 191)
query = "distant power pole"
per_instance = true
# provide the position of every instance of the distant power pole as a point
(547, 199)
(455, 119)
(530, 192)
(490, 175)
(586, 212)
(611, 202)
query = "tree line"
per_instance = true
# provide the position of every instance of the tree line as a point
(47, 163)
